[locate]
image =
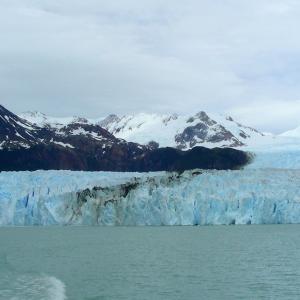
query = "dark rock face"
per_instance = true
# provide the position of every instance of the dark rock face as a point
(85, 129)
(83, 146)
(15, 131)
(171, 159)
(172, 117)
(202, 116)
(108, 120)
(52, 157)
(206, 130)
(153, 145)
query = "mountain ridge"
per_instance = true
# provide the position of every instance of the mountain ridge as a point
(173, 130)
(82, 145)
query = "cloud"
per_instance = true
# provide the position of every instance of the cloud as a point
(96, 57)
(278, 115)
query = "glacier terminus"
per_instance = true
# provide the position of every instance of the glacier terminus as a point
(199, 197)
(265, 190)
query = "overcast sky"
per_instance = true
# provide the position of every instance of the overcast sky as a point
(94, 57)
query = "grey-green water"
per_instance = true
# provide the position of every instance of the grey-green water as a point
(218, 262)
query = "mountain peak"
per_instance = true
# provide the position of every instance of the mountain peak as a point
(15, 131)
(83, 145)
(168, 130)
(183, 132)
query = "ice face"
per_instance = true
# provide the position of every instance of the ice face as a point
(27, 197)
(249, 196)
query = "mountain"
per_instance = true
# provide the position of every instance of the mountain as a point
(181, 132)
(42, 120)
(16, 132)
(78, 144)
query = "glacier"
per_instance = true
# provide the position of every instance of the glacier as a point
(278, 152)
(266, 191)
(199, 197)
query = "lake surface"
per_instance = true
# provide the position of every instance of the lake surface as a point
(214, 262)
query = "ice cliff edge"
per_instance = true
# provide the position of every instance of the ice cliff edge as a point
(191, 198)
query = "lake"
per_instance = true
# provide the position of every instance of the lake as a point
(201, 262)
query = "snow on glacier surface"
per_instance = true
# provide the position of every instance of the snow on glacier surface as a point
(251, 196)
(279, 160)
(275, 152)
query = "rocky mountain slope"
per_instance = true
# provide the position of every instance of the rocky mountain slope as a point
(181, 132)
(16, 132)
(78, 144)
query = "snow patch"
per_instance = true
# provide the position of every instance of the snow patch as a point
(64, 144)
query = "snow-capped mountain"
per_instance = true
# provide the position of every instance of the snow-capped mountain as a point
(16, 132)
(68, 127)
(181, 132)
(73, 145)
(42, 120)
(80, 144)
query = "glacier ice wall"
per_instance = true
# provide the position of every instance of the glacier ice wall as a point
(251, 196)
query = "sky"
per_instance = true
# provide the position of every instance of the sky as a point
(93, 57)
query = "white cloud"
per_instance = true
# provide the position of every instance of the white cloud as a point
(278, 115)
(96, 57)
